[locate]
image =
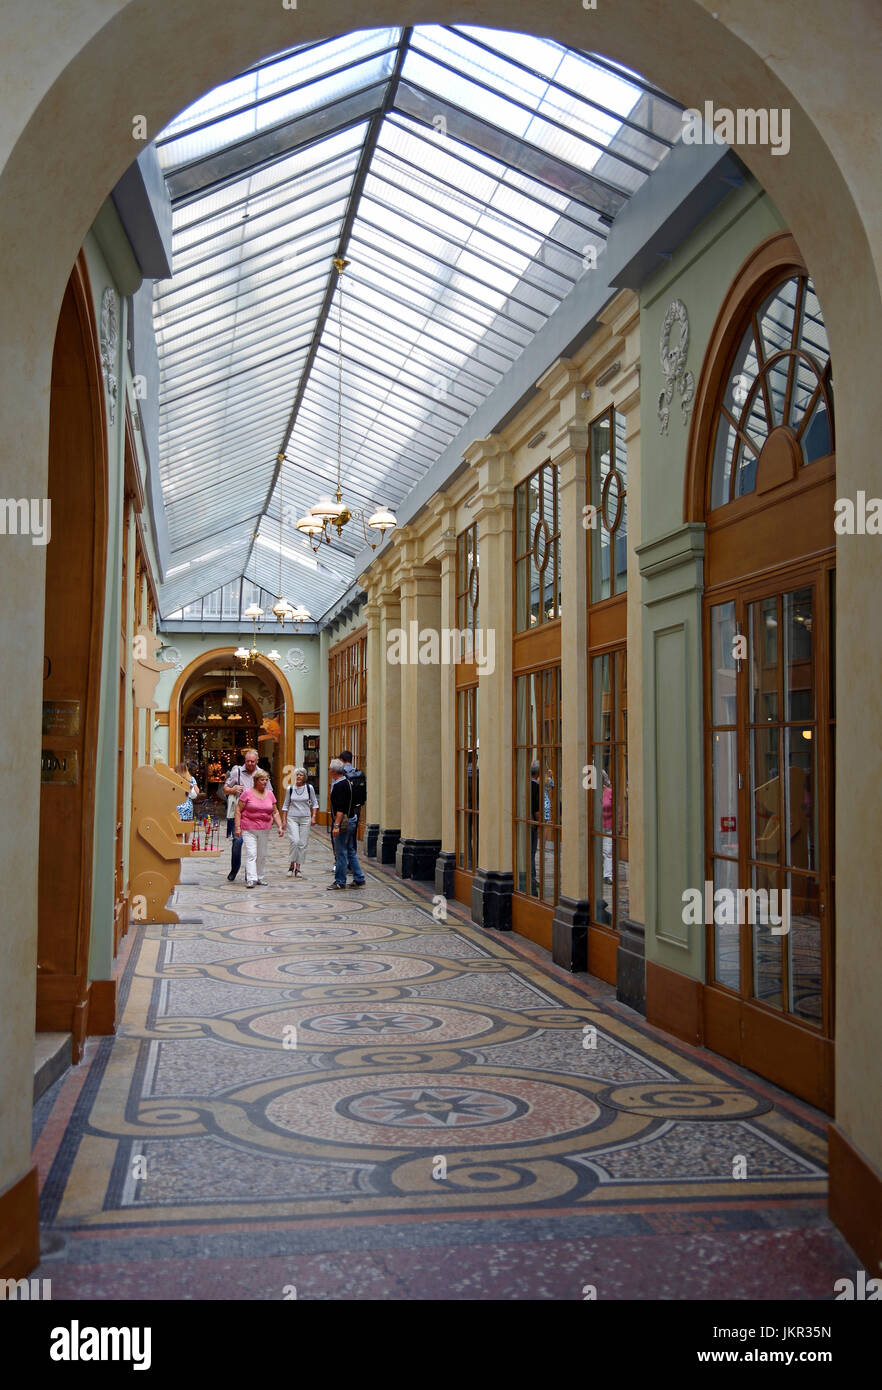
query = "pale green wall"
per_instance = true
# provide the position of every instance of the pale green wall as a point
(103, 843)
(671, 564)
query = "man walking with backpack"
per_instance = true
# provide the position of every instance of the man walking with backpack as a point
(344, 825)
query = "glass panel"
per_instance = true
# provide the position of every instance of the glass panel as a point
(763, 651)
(799, 700)
(724, 450)
(723, 669)
(765, 809)
(767, 956)
(776, 322)
(725, 793)
(620, 536)
(745, 469)
(742, 376)
(727, 937)
(803, 946)
(601, 447)
(800, 802)
(817, 438)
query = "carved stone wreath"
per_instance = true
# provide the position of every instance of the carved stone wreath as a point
(673, 362)
(109, 340)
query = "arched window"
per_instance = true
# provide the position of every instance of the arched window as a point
(778, 394)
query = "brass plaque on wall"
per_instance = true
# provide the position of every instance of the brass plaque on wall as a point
(60, 766)
(61, 717)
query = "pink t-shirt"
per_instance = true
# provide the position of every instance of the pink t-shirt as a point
(257, 811)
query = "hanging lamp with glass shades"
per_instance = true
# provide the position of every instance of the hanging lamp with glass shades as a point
(332, 513)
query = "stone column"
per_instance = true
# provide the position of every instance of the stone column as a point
(446, 860)
(373, 771)
(420, 718)
(569, 932)
(389, 730)
(631, 960)
(492, 509)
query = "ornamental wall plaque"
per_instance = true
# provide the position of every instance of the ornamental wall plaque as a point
(296, 660)
(673, 363)
(109, 341)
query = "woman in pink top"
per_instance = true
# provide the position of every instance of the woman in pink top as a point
(256, 811)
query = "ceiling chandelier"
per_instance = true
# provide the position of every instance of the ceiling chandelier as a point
(330, 513)
(282, 609)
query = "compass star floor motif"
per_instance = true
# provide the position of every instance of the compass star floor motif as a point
(339, 1091)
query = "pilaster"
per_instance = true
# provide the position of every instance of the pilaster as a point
(492, 510)
(373, 770)
(421, 747)
(388, 728)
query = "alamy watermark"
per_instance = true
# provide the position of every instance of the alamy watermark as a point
(429, 646)
(745, 126)
(730, 907)
(26, 516)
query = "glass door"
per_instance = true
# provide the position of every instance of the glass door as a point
(770, 765)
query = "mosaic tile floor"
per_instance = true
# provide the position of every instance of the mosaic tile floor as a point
(341, 1093)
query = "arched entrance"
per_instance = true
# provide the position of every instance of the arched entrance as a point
(57, 186)
(74, 615)
(207, 673)
(763, 473)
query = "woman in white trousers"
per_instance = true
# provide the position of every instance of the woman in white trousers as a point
(299, 811)
(256, 811)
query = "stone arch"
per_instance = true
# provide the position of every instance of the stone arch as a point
(225, 655)
(67, 137)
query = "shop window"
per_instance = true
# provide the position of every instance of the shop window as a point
(467, 582)
(607, 492)
(537, 549)
(467, 779)
(537, 774)
(609, 796)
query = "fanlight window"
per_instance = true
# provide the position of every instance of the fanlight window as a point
(778, 392)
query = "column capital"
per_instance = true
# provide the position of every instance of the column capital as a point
(372, 611)
(568, 451)
(445, 550)
(563, 384)
(495, 467)
(419, 580)
(560, 378)
(628, 395)
(482, 451)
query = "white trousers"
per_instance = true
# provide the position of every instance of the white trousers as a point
(607, 858)
(254, 843)
(298, 830)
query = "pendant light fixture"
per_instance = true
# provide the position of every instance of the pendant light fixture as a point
(332, 513)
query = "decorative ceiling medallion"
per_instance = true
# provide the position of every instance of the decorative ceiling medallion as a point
(673, 362)
(109, 341)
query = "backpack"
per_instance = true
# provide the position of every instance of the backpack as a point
(358, 786)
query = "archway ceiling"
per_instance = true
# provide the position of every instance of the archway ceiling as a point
(465, 173)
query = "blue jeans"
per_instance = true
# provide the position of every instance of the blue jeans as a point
(236, 855)
(345, 856)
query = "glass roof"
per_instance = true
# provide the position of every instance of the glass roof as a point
(464, 173)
